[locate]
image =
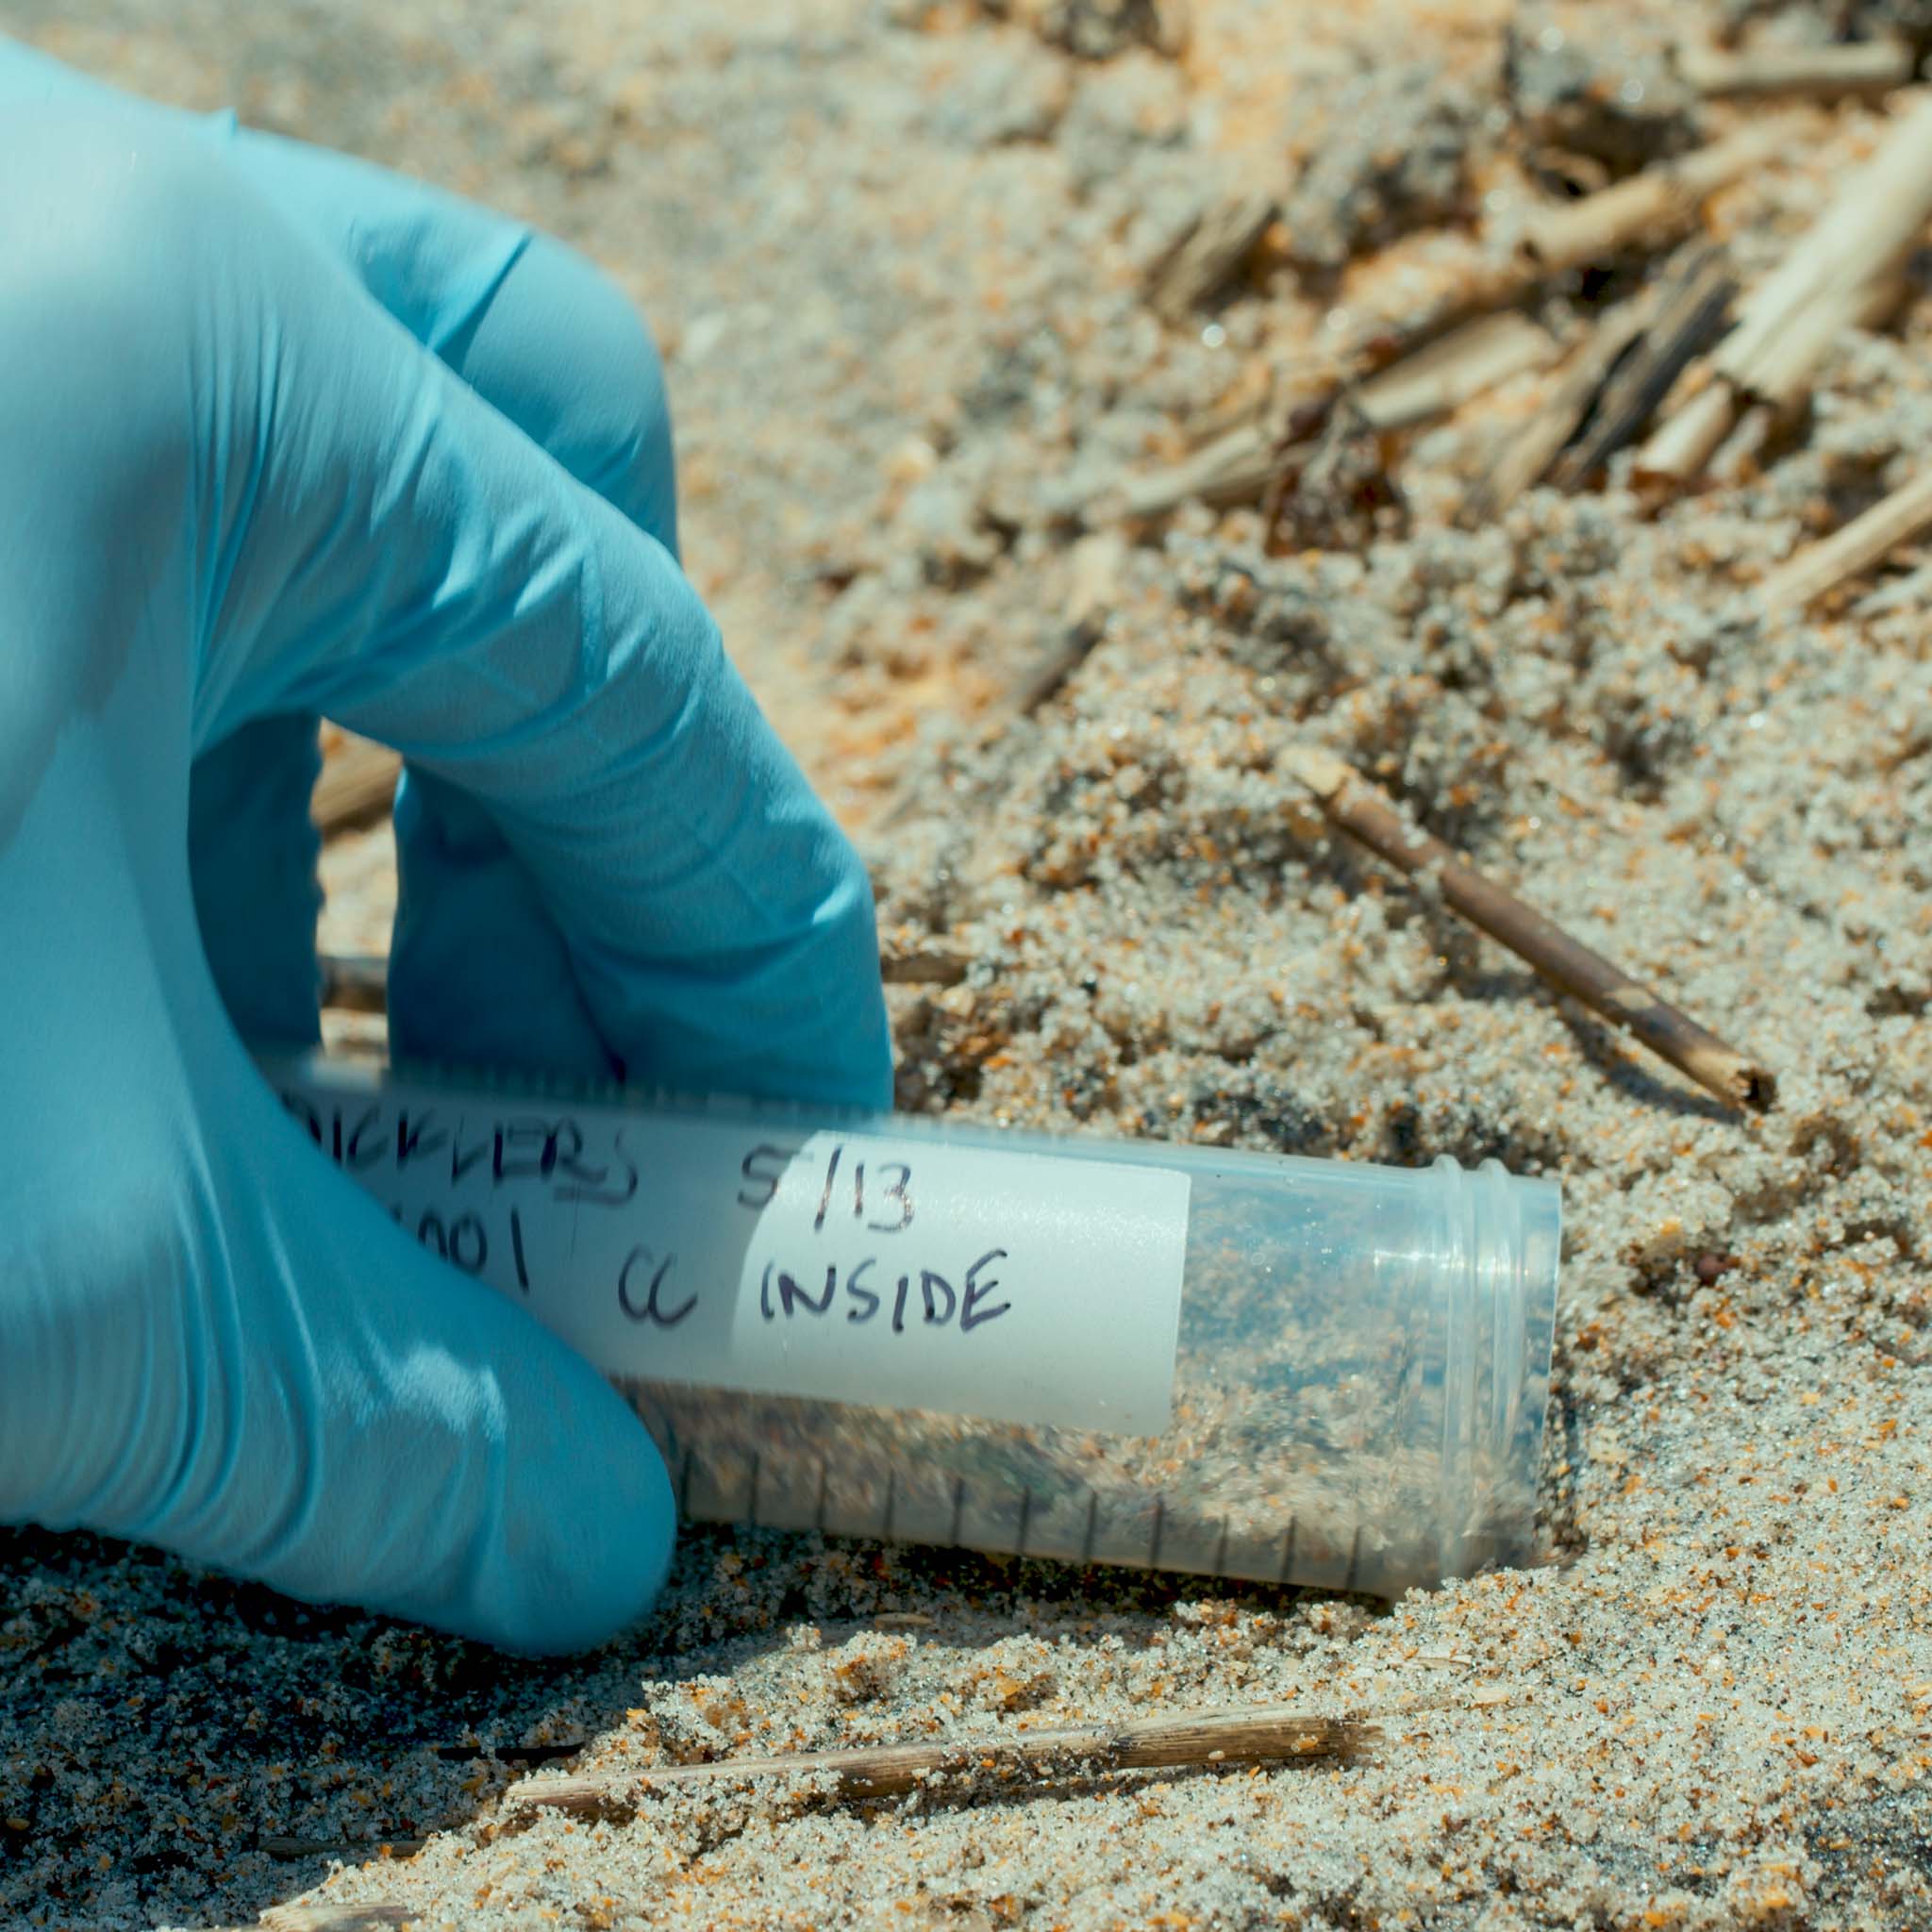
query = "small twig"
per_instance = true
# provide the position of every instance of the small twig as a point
(1684, 442)
(1234, 469)
(1362, 811)
(1859, 67)
(1272, 1734)
(1691, 305)
(1848, 552)
(357, 783)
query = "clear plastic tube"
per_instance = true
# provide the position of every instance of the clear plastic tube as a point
(1172, 1356)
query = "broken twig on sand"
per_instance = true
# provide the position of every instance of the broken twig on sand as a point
(1269, 1735)
(1847, 553)
(1366, 814)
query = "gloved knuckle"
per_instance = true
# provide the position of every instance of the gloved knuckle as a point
(99, 217)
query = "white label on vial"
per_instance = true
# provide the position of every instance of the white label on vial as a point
(898, 1273)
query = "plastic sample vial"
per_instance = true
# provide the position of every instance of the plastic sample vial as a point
(1179, 1358)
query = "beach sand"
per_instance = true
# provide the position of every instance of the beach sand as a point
(896, 256)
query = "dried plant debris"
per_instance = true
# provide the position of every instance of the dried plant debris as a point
(1376, 154)
(1100, 30)
(1593, 94)
(1818, 22)
(1210, 252)
(1343, 493)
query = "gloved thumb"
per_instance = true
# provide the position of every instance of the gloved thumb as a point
(246, 1362)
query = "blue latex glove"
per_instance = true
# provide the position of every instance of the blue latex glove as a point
(281, 435)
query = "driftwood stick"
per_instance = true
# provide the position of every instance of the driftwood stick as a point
(1861, 67)
(1362, 811)
(1269, 1735)
(1691, 305)
(357, 783)
(1848, 552)
(1652, 207)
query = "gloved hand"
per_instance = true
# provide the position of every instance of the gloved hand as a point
(281, 435)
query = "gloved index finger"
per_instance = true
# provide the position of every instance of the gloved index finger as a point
(385, 548)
